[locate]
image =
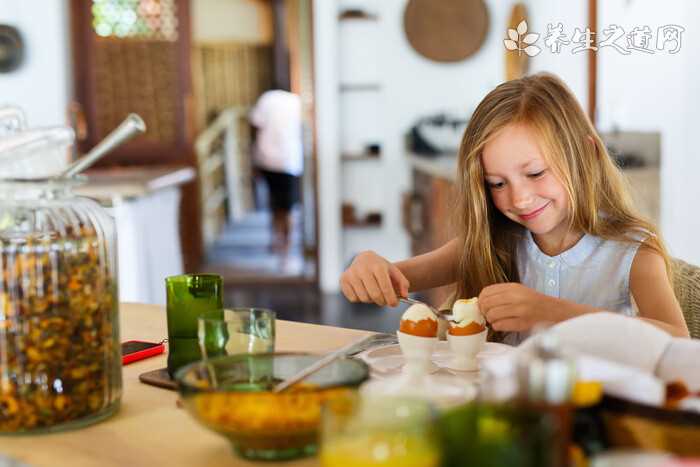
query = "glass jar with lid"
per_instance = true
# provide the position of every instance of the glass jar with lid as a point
(60, 360)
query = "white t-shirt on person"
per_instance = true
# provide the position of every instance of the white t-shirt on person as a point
(278, 147)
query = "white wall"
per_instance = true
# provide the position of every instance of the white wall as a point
(681, 190)
(42, 85)
(226, 20)
(412, 87)
(659, 92)
(572, 68)
(327, 142)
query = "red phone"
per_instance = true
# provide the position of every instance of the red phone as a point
(138, 350)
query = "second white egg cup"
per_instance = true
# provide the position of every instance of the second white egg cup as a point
(464, 350)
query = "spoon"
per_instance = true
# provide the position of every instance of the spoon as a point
(130, 127)
(346, 351)
(440, 314)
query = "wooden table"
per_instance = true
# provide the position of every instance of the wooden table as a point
(149, 429)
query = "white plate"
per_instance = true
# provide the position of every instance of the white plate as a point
(388, 359)
(444, 390)
(494, 348)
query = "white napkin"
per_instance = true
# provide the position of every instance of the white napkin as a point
(618, 380)
(622, 381)
(632, 358)
(681, 362)
(610, 336)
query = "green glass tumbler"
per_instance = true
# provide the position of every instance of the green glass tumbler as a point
(189, 296)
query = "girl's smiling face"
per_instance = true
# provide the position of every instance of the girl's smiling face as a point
(522, 185)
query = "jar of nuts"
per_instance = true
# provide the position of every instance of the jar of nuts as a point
(60, 362)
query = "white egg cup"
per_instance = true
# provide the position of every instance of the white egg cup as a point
(464, 351)
(444, 390)
(417, 353)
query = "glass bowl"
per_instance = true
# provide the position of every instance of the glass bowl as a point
(232, 396)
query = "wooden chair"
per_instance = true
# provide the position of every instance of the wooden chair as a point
(686, 285)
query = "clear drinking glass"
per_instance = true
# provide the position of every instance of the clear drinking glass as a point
(236, 331)
(378, 431)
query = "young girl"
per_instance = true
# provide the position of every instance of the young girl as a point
(547, 231)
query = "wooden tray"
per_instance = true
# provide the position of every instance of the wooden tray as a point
(159, 378)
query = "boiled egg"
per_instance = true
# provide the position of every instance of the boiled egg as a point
(419, 321)
(468, 319)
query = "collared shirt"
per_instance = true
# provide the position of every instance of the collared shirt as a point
(593, 272)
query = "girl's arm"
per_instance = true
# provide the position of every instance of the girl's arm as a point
(432, 269)
(653, 293)
(372, 279)
(515, 307)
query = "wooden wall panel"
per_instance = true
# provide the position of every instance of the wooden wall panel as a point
(229, 74)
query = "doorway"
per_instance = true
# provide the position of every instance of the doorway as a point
(193, 69)
(240, 49)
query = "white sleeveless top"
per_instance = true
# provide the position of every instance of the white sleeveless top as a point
(593, 272)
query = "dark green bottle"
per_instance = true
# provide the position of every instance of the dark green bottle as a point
(188, 297)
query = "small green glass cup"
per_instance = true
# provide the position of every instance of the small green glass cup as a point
(236, 331)
(188, 297)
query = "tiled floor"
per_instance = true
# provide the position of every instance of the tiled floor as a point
(243, 252)
(255, 276)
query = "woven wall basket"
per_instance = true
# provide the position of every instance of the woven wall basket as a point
(446, 30)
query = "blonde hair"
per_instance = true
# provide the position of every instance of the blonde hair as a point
(578, 159)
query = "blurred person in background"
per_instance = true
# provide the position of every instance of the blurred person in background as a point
(278, 156)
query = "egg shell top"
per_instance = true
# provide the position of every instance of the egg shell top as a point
(418, 312)
(466, 311)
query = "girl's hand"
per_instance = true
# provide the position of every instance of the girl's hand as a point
(515, 307)
(372, 279)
